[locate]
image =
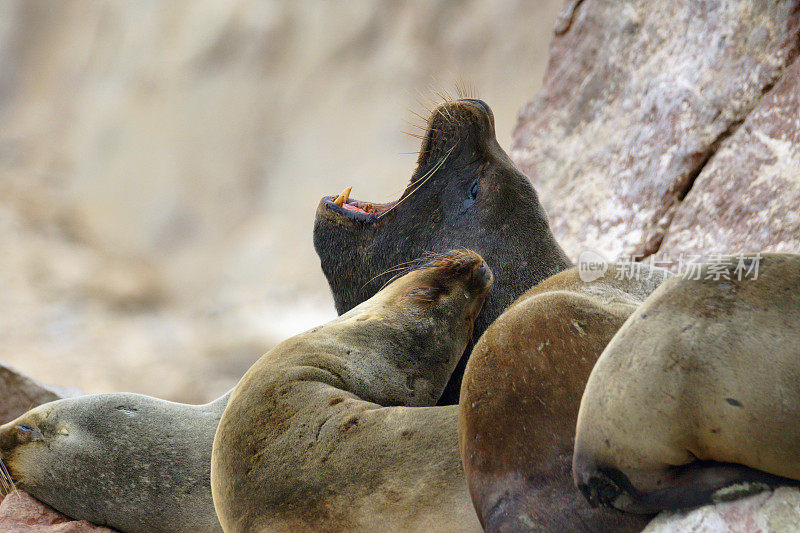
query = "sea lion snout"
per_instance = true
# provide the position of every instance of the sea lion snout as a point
(483, 275)
(462, 266)
(482, 106)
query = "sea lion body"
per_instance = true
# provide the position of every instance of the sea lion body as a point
(335, 429)
(128, 461)
(465, 193)
(520, 398)
(696, 399)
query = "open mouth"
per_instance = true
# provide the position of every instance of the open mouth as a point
(446, 123)
(356, 210)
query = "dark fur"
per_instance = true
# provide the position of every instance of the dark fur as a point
(506, 224)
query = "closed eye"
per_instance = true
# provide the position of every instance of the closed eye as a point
(424, 293)
(474, 188)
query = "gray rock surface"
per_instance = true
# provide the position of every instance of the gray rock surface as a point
(768, 512)
(638, 99)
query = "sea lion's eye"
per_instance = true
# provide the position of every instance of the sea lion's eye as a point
(28, 432)
(474, 188)
(424, 293)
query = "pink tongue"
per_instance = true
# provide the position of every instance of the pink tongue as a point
(353, 208)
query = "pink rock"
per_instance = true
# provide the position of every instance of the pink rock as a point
(747, 197)
(21, 393)
(636, 99)
(21, 513)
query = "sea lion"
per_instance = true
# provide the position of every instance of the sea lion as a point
(465, 193)
(696, 398)
(334, 429)
(128, 461)
(520, 396)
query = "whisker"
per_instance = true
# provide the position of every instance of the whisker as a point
(428, 259)
(424, 128)
(397, 267)
(6, 483)
(389, 281)
(444, 95)
(419, 116)
(425, 106)
(422, 180)
(418, 136)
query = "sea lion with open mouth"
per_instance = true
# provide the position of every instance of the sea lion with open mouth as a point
(336, 429)
(465, 193)
(697, 397)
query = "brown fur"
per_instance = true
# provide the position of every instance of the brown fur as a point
(334, 429)
(696, 399)
(520, 399)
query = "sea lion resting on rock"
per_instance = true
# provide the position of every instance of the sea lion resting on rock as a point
(334, 429)
(128, 461)
(464, 193)
(467, 192)
(520, 398)
(696, 398)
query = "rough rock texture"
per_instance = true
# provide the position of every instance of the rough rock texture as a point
(21, 513)
(21, 393)
(747, 199)
(638, 99)
(768, 512)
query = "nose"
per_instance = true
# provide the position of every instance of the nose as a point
(480, 104)
(483, 275)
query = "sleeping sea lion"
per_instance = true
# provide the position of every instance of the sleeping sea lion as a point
(520, 397)
(336, 429)
(128, 461)
(696, 399)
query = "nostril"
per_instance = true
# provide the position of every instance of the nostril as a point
(483, 106)
(483, 274)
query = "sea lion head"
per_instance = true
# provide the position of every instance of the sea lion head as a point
(421, 322)
(117, 459)
(465, 193)
(24, 439)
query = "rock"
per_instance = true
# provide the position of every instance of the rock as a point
(21, 513)
(21, 393)
(746, 197)
(637, 99)
(767, 512)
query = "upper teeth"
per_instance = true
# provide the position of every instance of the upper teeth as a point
(342, 198)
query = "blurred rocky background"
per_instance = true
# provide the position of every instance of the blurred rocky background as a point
(161, 162)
